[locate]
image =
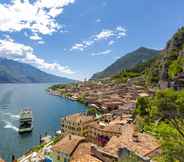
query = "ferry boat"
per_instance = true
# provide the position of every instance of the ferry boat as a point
(25, 121)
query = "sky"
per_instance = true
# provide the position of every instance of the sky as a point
(77, 38)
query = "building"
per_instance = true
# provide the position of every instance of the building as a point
(101, 132)
(163, 84)
(63, 150)
(32, 157)
(83, 153)
(142, 145)
(179, 81)
(94, 129)
(76, 124)
(1, 160)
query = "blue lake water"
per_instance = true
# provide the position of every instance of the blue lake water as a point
(47, 111)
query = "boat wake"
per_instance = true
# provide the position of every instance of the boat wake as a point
(12, 115)
(3, 107)
(9, 125)
(9, 115)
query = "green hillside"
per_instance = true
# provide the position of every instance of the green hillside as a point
(170, 62)
(127, 61)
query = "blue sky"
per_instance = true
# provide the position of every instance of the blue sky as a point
(76, 38)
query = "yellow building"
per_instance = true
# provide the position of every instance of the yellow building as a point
(76, 124)
(95, 131)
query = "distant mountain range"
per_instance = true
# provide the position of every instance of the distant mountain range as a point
(127, 61)
(16, 72)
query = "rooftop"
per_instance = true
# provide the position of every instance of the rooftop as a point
(79, 118)
(68, 144)
(106, 126)
(145, 145)
(143, 94)
(83, 154)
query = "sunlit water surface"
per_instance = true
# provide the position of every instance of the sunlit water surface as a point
(47, 111)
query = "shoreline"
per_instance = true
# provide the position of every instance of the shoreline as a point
(36, 97)
(104, 97)
(108, 121)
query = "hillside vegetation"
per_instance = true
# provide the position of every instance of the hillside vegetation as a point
(163, 116)
(170, 62)
(129, 61)
(163, 113)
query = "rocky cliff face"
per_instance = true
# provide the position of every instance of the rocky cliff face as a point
(164, 71)
(176, 43)
(170, 62)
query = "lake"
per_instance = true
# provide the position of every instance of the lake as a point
(47, 111)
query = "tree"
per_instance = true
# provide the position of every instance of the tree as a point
(131, 158)
(167, 106)
(170, 105)
(92, 111)
(142, 106)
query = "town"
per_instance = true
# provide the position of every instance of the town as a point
(106, 132)
(91, 81)
(105, 95)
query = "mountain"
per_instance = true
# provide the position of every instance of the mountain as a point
(170, 63)
(128, 61)
(16, 72)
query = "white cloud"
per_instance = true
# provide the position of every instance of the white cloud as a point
(81, 46)
(35, 36)
(41, 42)
(111, 43)
(106, 34)
(122, 32)
(101, 53)
(119, 32)
(98, 20)
(120, 28)
(20, 52)
(38, 17)
(78, 46)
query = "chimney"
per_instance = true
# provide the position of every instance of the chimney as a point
(13, 158)
(70, 137)
(135, 136)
